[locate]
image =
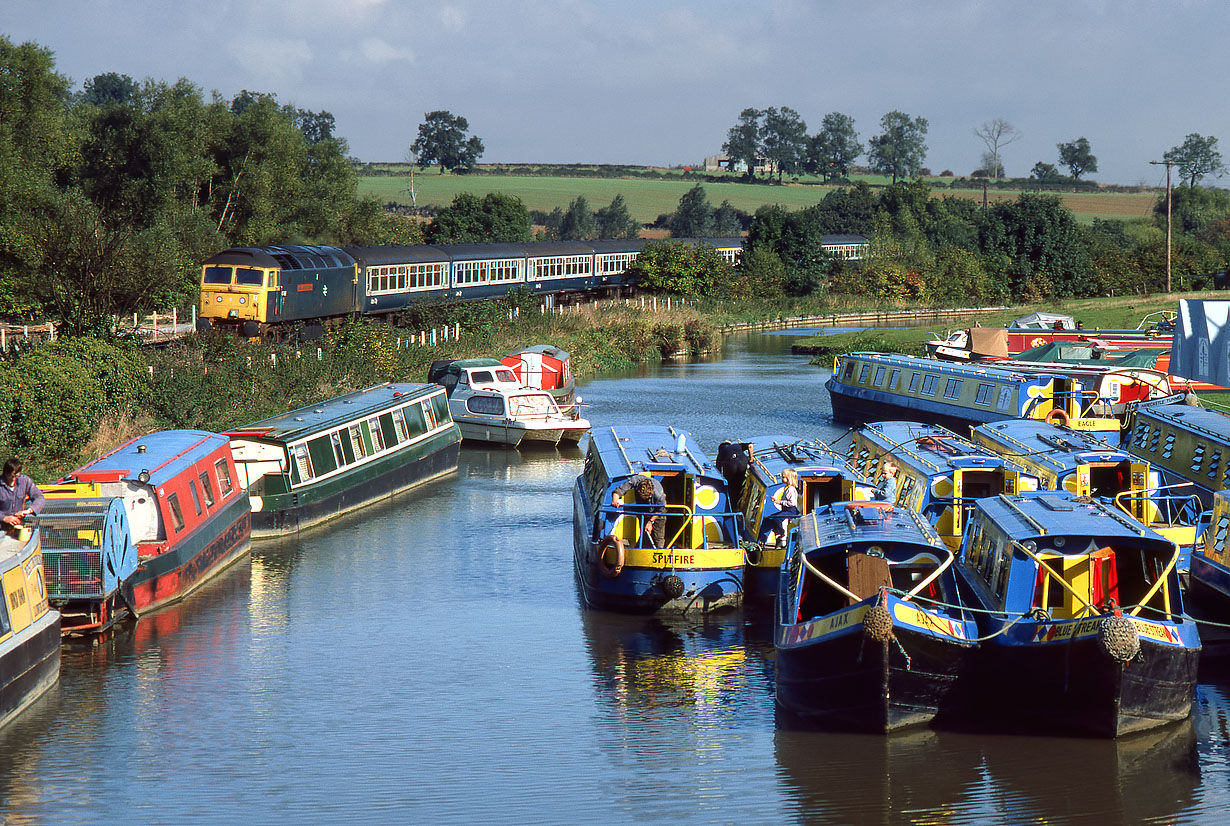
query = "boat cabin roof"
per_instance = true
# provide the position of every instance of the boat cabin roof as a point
(1061, 447)
(949, 368)
(1211, 423)
(288, 427)
(633, 449)
(932, 448)
(842, 522)
(1043, 515)
(163, 455)
(775, 453)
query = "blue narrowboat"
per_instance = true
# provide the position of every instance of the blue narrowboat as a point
(824, 478)
(187, 514)
(1186, 443)
(1208, 587)
(870, 632)
(309, 465)
(1081, 616)
(940, 474)
(1083, 465)
(699, 567)
(871, 386)
(29, 626)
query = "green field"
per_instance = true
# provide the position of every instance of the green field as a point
(647, 198)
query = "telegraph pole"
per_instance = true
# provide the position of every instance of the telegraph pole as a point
(1167, 164)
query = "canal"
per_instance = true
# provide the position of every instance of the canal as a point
(427, 661)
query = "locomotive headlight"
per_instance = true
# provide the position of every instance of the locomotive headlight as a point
(218, 298)
(243, 300)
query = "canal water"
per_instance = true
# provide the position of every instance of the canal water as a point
(427, 661)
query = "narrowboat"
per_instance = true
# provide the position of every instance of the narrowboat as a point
(89, 559)
(309, 465)
(187, 512)
(872, 386)
(545, 367)
(939, 473)
(870, 633)
(1155, 331)
(1208, 586)
(698, 568)
(1083, 465)
(489, 404)
(29, 626)
(1184, 442)
(824, 478)
(1080, 613)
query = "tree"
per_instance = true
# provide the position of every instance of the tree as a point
(1197, 157)
(783, 140)
(727, 221)
(470, 219)
(899, 150)
(996, 134)
(1041, 243)
(832, 150)
(989, 167)
(1077, 157)
(694, 216)
(108, 88)
(578, 222)
(743, 141)
(615, 221)
(1043, 171)
(686, 269)
(442, 140)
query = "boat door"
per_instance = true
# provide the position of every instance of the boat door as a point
(819, 491)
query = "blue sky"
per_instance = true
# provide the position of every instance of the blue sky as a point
(563, 81)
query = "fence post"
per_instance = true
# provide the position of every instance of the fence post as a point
(456, 330)
(3, 344)
(319, 355)
(273, 359)
(433, 336)
(174, 319)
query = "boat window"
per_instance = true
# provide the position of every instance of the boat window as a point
(339, 455)
(196, 497)
(399, 423)
(1157, 434)
(892, 379)
(388, 433)
(429, 415)
(415, 421)
(505, 375)
(486, 405)
(531, 404)
(914, 382)
(849, 371)
(320, 452)
(862, 374)
(1005, 398)
(207, 488)
(1197, 457)
(356, 442)
(879, 376)
(929, 385)
(5, 625)
(249, 277)
(303, 463)
(983, 396)
(177, 515)
(373, 428)
(952, 389)
(439, 405)
(224, 478)
(1219, 536)
(1168, 448)
(218, 275)
(480, 376)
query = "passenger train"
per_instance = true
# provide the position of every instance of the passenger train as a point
(254, 290)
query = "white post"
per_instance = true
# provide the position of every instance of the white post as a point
(155, 335)
(668, 302)
(3, 344)
(134, 323)
(174, 319)
(319, 355)
(433, 336)
(273, 359)
(151, 371)
(194, 316)
(51, 330)
(456, 331)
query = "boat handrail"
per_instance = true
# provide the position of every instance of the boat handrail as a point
(622, 452)
(829, 580)
(1174, 502)
(1050, 572)
(1161, 580)
(1034, 523)
(689, 513)
(1027, 451)
(939, 569)
(1086, 607)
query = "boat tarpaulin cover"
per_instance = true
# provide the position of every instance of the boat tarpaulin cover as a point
(1046, 321)
(1201, 347)
(988, 341)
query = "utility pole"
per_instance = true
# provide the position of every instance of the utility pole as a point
(1167, 164)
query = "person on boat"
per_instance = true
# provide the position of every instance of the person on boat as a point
(886, 491)
(787, 501)
(648, 491)
(19, 496)
(733, 459)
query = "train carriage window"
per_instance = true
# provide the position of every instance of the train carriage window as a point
(952, 388)
(914, 382)
(207, 489)
(399, 423)
(248, 277)
(373, 427)
(218, 275)
(983, 396)
(177, 513)
(196, 497)
(224, 478)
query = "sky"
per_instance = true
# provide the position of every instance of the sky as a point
(660, 82)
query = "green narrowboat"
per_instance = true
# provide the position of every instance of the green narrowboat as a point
(312, 464)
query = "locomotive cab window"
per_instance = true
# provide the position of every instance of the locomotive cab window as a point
(218, 275)
(248, 277)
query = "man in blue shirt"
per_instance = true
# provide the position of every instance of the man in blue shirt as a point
(19, 496)
(648, 492)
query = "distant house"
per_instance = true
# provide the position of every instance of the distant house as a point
(846, 247)
(715, 163)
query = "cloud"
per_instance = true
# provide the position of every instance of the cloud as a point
(273, 62)
(376, 50)
(453, 18)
